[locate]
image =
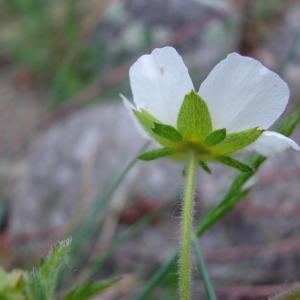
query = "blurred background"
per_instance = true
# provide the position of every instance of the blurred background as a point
(65, 138)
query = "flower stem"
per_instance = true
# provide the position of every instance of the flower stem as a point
(187, 216)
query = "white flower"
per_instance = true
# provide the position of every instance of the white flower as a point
(240, 94)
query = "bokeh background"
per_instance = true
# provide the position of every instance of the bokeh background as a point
(65, 138)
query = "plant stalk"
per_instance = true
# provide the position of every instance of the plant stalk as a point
(186, 230)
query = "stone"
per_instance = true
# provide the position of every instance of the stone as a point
(73, 162)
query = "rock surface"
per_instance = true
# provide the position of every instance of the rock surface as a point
(74, 161)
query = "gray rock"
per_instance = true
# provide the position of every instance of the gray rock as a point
(73, 162)
(174, 13)
(280, 48)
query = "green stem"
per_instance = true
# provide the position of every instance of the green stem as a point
(187, 215)
(203, 270)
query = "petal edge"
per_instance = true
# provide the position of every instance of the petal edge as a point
(271, 142)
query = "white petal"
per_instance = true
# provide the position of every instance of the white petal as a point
(159, 81)
(270, 143)
(241, 93)
(136, 123)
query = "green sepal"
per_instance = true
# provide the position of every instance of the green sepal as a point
(168, 132)
(156, 153)
(231, 162)
(215, 137)
(236, 141)
(148, 122)
(205, 166)
(194, 120)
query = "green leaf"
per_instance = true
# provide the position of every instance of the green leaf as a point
(236, 141)
(51, 266)
(194, 120)
(168, 132)
(205, 166)
(37, 288)
(148, 123)
(12, 284)
(215, 137)
(157, 153)
(43, 278)
(229, 161)
(90, 289)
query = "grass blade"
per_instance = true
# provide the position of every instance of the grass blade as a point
(87, 229)
(156, 278)
(203, 270)
(231, 162)
(156, 153)
(90, 289)
(97, 263)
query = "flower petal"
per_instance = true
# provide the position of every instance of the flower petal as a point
(136, 123)
(241, 93)
(159, 81)
(270, 143)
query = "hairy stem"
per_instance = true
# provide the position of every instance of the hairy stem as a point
(187, 216)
